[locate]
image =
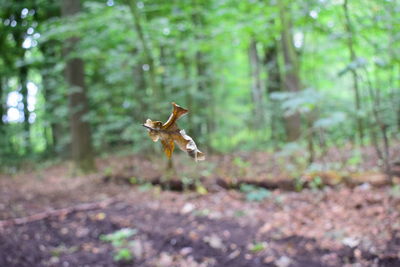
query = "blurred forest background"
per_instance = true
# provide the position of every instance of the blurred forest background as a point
(77, 78)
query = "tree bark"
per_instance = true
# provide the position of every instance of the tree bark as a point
(139, 87)
(290, 75)
(23, 77)
(256, 85)
(204, 96)
(23, 70)
(353, 57)
(188, 89)
(274, 84)
(398, 106)
(81, 142)
(57, 128)
(201, 71)
(271, 62)
(2, 105)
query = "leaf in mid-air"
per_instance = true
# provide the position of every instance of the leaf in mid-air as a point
(169, 133)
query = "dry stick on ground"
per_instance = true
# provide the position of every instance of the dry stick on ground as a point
(59, 212)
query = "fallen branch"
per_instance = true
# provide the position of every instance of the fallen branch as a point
(55, 213)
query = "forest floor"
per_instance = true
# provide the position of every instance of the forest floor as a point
(51, 217)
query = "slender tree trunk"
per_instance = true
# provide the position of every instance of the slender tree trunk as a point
(257, 91)
(201, 71)
(398, 101)
(273, 85)
(164, 55)
(4, 139)
(188, 89)
(81, 143)
(149, 59)
(56, 130)
(2, 106)
(23, 70)
(271, 62)
(204, 95)
(379, 124)
(139, 88)
(311, 118)
(23, 77)
(291, 76)
(353, 57)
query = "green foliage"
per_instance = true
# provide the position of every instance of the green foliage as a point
(122, 246)
(200, 53)
(254, 193)
(316, 183)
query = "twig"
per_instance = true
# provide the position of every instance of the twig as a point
(54, 213)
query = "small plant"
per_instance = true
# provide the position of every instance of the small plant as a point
(108, 171)
(254, 193)
(257, 247)
(239, 213)
(316, 183)
(121, 245)
(145, 187)
(202, 213)
(201, 189)
(242, 165)
(133, 180)
(186, 182)
(298, 184)
(395, 191)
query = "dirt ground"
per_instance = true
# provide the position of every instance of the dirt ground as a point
(333, 226)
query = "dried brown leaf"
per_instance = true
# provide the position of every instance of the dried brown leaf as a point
(169, 133)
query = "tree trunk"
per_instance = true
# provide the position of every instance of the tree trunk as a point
(273, 85)
(23, 78)
(81, 143)
(2, 105)
(204, 96)
(353, 57)
(23, 70)
(398, 101)
(271, 62)
(152, 78)
(139, 88)
(57, 128)
(188, 89)
(290, 76)
(256, 85)
(4, 138)
(201, 71)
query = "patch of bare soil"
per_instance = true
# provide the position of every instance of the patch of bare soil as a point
(338, 226)
(300, 231)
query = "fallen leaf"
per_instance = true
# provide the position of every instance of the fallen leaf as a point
(169, 134)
